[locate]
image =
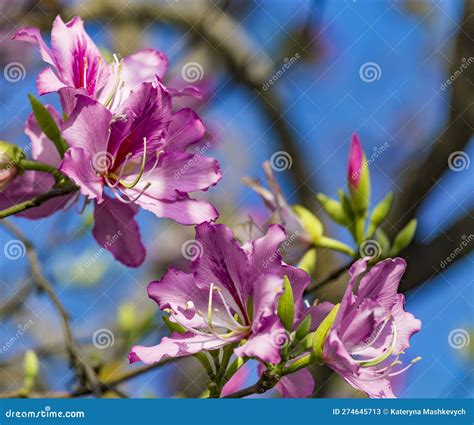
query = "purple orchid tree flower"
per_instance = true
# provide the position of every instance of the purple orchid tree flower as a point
(140, 155)
(371, 330)
(77, 66)
(229, 298)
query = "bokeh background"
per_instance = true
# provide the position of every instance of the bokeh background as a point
(375, 67)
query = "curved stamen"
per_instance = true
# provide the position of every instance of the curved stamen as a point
(118, 178)
(140, 173)
(84, 76)
(117, 83)
(229, 313)
(398, 372)
(155, 164)
(377, 360)
(371, 340)
(132, 200)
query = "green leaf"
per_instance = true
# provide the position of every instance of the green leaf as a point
(333, 209)
(404, 238)
(335, 245)
(30, 369)
(303, 328)
(47, 125)
(321, 333)
(173, 326)
(286, 306)
(380, 213)
(310, 222)
(346, 204)
(308, 262)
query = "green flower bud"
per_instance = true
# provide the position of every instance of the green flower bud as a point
(9, 157)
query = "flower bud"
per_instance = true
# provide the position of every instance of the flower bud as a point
(9, 157)
(358, 177)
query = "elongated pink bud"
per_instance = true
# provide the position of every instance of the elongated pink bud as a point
(356, 161)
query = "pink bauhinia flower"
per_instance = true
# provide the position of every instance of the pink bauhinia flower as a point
(77, 66)
(371, 330)
(228, 298)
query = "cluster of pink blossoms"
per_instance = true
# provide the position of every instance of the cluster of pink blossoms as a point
(125, 146)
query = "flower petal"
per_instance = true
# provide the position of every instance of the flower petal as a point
(77, 165)
(185, 129)
(88, 127)
(406, 324)
(33, 35)
(48, 82)
(178, 345)
(297, 385)
(116, 230)
(183, 211)
(237, 381)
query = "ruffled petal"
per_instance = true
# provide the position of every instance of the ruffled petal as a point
(184, 211)
(33, 35)
(48, 82)
(178, 345)
(116, 230)
(88, 127)
(267, 343)
(381, 283)
(265, 256)
(297, 385)
(185, 129)
(407, 325)
(77, 165)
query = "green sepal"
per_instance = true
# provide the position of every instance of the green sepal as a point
(321, 333)
(47, 125)
(308, 262)
(311, 223)
(303, 328)
(379, 214)
(333, 209)
(286, 306)
(404, 238)
(360, 195)
(382, 238)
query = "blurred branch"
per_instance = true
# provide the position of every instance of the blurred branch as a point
(428, 258)
(39, 200)
(423, 173)
(84, 372)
